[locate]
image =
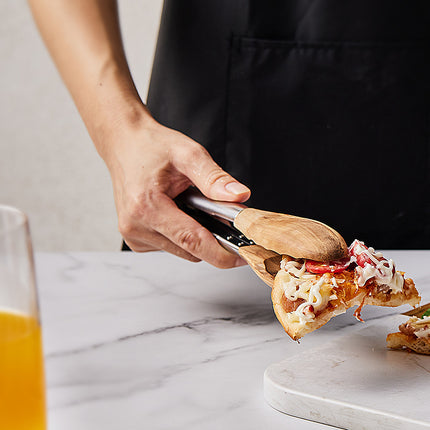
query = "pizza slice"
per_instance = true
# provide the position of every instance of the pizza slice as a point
(307, 294)
(413, 335)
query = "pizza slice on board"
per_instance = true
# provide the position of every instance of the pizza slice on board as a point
(414, 334)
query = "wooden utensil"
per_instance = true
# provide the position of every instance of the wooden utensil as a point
(417, 312)
(285, 234)
(263, 262)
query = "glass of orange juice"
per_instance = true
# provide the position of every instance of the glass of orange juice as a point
(22, 388)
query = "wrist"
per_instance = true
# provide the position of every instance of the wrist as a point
(116, 114)
(118, 129)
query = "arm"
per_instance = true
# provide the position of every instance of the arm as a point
(149, 163)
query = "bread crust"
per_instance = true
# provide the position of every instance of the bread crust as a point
(296, 330)
(399, 340)
(409, 296)
(287, 319)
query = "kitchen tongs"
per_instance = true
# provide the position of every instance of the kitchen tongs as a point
(417, 312)
(260, 237)
(263, 262)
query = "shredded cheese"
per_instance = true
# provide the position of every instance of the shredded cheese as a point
(294, 267)
(422, 332)
(382, 270)
(421, 321)
(318, 290)
(420, 326)
(300, 284)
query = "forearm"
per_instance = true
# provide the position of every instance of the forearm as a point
(84, 39)
(149, 164)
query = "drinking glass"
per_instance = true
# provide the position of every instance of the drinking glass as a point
(22, 390)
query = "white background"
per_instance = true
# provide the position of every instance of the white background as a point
(49, 167)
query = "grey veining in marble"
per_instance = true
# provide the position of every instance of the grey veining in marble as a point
(153, 342)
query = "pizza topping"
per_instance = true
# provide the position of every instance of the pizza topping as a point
(372, 265)
(336, 266)
(315, 301)
(419, 321)
(424, 332)
(419, 327)
(314, 291)
(407, 329)
(293, 266)
(309, 286)
(306, 294)
(363, 254)
(369, 264)
(290, 306)
(357, 312)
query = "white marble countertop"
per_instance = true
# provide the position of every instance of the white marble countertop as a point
(150, 341)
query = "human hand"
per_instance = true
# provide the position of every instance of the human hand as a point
(150, 165)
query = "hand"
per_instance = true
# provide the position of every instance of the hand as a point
(150, 165)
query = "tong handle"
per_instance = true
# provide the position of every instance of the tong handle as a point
(228, 236)
(225, 210)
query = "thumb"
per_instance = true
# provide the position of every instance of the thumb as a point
(211, 180)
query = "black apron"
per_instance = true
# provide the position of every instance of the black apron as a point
(320, 106)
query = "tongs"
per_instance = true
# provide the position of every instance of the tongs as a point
(417, 312)
(261, 237)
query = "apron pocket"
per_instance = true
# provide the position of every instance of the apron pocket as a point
(334, 131)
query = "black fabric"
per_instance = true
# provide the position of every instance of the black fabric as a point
(125, 247)
(321, 107)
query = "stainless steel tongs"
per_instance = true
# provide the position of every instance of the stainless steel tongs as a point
(285, 234)
(208, 214)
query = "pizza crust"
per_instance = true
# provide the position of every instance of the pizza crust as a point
(403, 341)
(292, 325)
(409, 296)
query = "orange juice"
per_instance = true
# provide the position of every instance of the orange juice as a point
(22, 398)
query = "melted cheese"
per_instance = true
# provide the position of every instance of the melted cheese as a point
(294, 267)
(419, 321)
(316, 298)
(315, 290)
(382, 270)
(423, 333)
(318, 290)
(421, 326)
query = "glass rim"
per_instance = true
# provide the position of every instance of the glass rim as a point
(20, 219)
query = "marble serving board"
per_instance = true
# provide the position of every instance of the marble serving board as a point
(354, 382)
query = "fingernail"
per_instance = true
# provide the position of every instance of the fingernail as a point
(236, 188)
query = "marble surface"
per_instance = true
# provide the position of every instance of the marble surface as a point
(153, 342)
(354, 382)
